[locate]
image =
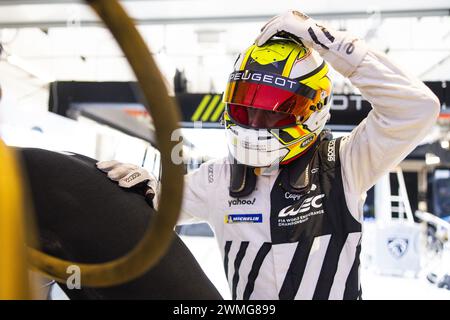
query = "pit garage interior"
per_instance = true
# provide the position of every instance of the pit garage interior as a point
(67, 86)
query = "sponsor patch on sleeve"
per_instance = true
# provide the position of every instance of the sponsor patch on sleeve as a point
(241, 218)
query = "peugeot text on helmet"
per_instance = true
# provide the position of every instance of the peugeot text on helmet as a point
(286, 83)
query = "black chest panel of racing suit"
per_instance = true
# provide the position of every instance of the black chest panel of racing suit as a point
(307, 202)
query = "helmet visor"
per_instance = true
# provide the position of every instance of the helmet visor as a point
(269, 92)
(259, 118)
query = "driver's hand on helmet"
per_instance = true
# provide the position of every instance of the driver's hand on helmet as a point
(296, 25)
(347, 49)
(130, 175)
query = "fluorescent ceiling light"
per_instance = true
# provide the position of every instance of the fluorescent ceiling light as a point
(431, 159)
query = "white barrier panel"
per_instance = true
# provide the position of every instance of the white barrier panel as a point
(397, 248)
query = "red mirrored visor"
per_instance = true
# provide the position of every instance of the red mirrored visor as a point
(258, 118)
(269, 92)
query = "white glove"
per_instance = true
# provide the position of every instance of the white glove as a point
(130, 175)
(339, 48)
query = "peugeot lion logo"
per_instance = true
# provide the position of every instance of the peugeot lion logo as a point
(397, 247)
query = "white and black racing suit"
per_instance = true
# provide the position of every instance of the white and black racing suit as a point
(284, 242)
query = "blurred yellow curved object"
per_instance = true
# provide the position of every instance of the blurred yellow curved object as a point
(13, 259)
(158, 235)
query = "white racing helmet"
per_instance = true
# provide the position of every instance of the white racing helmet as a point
(286, 83)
